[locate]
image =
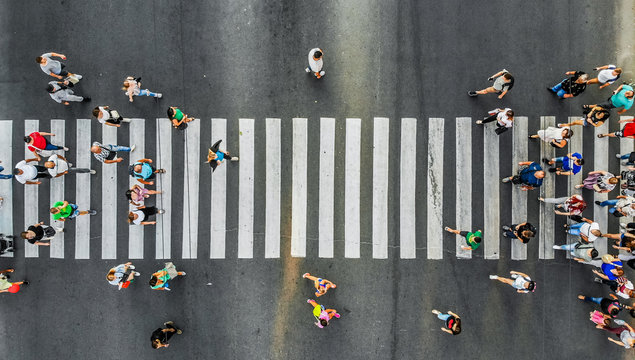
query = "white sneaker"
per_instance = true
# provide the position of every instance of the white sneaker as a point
(556, 247)
(93, 172)
(623, 225)
(59, 229)
(65, 148)
(79, 77)
(183, 273)
(159, 95)
(619, 156)
(133, 147)
(131, 267)
(235, 158)
(126, 120)
(322, 73)
(307, 70)
(493, 277)
(160, 211)
(136, 273)
(479, 122)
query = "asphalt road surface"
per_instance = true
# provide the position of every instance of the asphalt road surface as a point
(245, 59)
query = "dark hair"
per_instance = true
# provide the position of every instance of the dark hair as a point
(569, 133)
(23, 234)
(16, 171)
(50, 88)
(153, 280)
(477, 239)
(510, 113)
(170, 112)
(632, 312)
(38, 59)
(457, 328)
(156, 343)
(615, 311)
(532, 286)
(129, 194)
(580, 161)
(27, 139)
(528, 233)
(96, 111)
(507, 76)
(594, 253)
(317, 54)
(324, 322)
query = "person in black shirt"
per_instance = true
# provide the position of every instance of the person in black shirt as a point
(160, 337)
(572, 86)
(39, 234)
(523, 232)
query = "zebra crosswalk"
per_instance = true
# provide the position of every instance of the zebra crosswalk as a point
(416, 236)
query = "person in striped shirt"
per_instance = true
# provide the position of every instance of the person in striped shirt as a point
(107, 153)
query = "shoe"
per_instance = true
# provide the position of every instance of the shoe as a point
(133, 147)
(308, 301)
(160, 211)
(479, 122)
(235, 158)
(550, 89)
(65, 149)
(179, 331)
(597, 280)
(601, 136)
(86, 99)
(182, 273)
(493, 277)
(92, 212)
(127, 120)
(93, 172)
(322, 73)
(305, 275)
(337, 315)
(472, 93)
(136, 273)
(556, 247)
(447, 228)
(59, 229)
(619, 156)
(131, 267)
(436, 312)
(490, 78)
(545, 160)
(506, 228)
(167, 289)
(597, 202)
(159, 95)
(79, 77)
(505, 180)
(25, 282)
(168, 323)
(161, 171)
(623, 225)
(307, 70)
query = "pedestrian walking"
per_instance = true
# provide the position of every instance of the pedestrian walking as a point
(473, 239)
(4, 176)
(143, 171)
(322, 315)
(60, 92)
(621, 98)
(109, 117)
(599, 318)
(63, 210)
(316, 63)
(570, 206)
(28, 174)
(607, 75)
(321, 285)
(600, 181)
(529, 176)
(571, 86)
(107, 153)
(609, 306)
(160, 337)
(178, 118)
(628, 131)
(594, 116)
(215, 155)
(57, 166)
(54, 68)
(523, 232)
(7, 286)
(625, 333)
(137, 194)
(122, 275)
(40, 234)
(503, 82)
(519, 281)
(621, 206)
(580, 251)
(611, 268)
(588, 230)
(556, 137)
(569, 164)
(452, 322)
(37, 142)
(159, 280)
(142, 214)
(621, 286)
(623, 241)
(504, 119)
(132, 87)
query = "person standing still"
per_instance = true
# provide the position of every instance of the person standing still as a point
(503, 82)
(316, 63)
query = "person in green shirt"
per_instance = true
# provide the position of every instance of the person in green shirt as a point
(63, 210)
(178, 118)
(473, 239)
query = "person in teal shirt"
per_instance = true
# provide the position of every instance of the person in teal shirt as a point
(473, 239)
(622, 97)
(143, 171)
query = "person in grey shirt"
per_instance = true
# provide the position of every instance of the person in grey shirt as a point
(60, 92)
(53, 67)
(581, 252)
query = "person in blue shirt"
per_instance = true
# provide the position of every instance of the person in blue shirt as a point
(143, 171)
(569, 164)
(4, 176)
(215, 155)
(622, 97)
(529, 177)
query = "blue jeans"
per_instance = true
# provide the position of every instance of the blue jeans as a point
(116, 148)
(625, 157)
(50, 146)
(443, 316)
(3, 176)
(575, 229)
(611, 203)
(147, 92)
(568, 247)
(558, 89)
(597, 300)
(560, 159)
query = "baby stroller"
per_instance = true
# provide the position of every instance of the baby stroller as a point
(6, 243)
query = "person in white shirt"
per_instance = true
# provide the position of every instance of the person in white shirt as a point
(621, 206)
(316, 63)
(57, 166)
(587, 230)
(108, 117)
(26, 173)
(606, 76)
(60, 92)
(521, 282)
(504, 119)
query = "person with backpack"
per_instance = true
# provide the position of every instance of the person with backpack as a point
(60, 92)
(504, 119)
(321, 285)
(523, 232)
(609, 306)
(215, 155)
(519, 281)
(594, 117)
(107, 153)
(600, 181)
(159, 280)
(132, 87)
(622, 97)
(621, 206)
(580, 252)
(452, 322)
(572, 86)
(322, 315)
(530, 176)
(7, 243)
(137, 194)
(473, 239)
(40, 234)
(144, 172)
(554, 136)
(109, 117)
(121, 276)
(569, 164)
(588, 230)
(57, 166)
(570, 206)
(7, 286)
(142, 214)
(178, 118)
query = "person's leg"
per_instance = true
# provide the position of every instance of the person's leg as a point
(557, 87)
(312, 302)
(50, 146)
(559, 200)
(331, 313)
(489, 119)
(463, 233)
(169, 334)
(42, 172)
(311, 277)
(608, 202)
(74, 98)
(79, 170)
(561, 93)
(596, 300)
(149, 211)
(443, 316)
(567, 247)
(574, 229)
(624, 157)
(147, 92)
(593, 81)
(3, 176)
(488, 90)
(118, 148)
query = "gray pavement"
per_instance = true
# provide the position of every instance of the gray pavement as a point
(245, 59)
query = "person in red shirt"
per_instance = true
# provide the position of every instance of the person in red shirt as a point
(37, 142)
(628, 131)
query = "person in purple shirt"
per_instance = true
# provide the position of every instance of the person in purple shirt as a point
(569, 164)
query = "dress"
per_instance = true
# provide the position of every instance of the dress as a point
(139, 194)
(551, 133)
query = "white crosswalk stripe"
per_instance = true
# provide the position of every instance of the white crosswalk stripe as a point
(378, 213)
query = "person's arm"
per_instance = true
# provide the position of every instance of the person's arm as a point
(111, 124)
(600, 275)
(149, 161)
(33, 182)
(62, 56)
(491, 78)
(145, 182)
(117, 160)
(46, 134)
(502, 94)
(453, 314)
(559, 144)
(446, 330)
(566, 173)
(148, 222)
(621, 248)
(466, 248)
(29, 160)
(523, 163)
(621, 111)
(39, 243)
(526, 188)
(61, 174)
(613, 296)
(615, 341)
(558, 212)
(605, 85)
(218, 162)
(177, 123)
